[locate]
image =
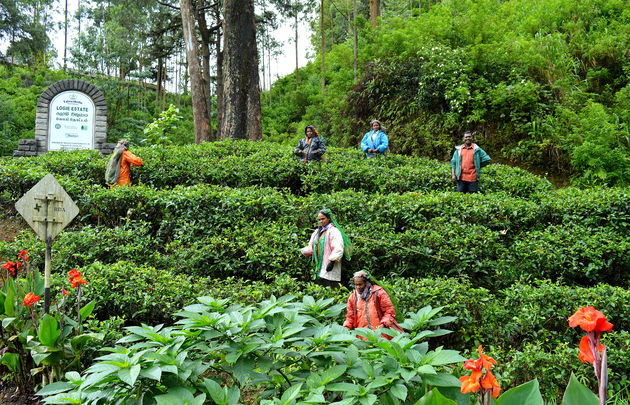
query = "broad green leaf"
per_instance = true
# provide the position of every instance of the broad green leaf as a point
(217, 393)
(352, 389)
(73, 397)
(87, 310)
(441, 380)
(434, 397)
(12, 361)
(528, 393)
(578, 394)
(9, 300)
(399, 391)
(369, 399)
(129, 374)
(55, 388)
(333, 373)
(49, 332)
(446, 357)
(7, 321)
(177, 396)
(234, 394)
(154, 373)
(290, 394)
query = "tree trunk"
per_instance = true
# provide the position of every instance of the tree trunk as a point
(297, 71)
(200, 111)
(205, 52)
(375, 12)
(355, 39)
(217, 14)
(321, 28)
(241, 103)
(65, 37)
(158, 91)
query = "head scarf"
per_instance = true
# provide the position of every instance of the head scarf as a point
(312, 129)
(380, 126)
(361, 275)
(347, 244)
(113, 166)
(370, 280)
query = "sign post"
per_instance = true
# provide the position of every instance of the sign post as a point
(48, 209)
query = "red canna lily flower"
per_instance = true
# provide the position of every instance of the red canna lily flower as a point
(10, 266)
(23, 255)
(30, 299)
(586, 355)
(64, 291)
(470, 383)
(590, 319)
(473, 364)
(74, 273)
(486, 360)
(77, 280)
(490, 382)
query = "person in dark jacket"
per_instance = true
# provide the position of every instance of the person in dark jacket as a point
(311, 147)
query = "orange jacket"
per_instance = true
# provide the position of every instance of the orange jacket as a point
(127, 159)
(377, 312)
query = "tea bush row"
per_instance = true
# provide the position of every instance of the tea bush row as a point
(244, 163)
(256, 233)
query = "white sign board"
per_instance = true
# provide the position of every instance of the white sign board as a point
(71, 121)
(47, 208)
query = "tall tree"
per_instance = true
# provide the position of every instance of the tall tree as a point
(375, 12)
(199, 90)
(241, 102)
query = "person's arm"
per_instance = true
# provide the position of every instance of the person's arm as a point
(453, 165)
(133, 159)
(364, 143)
(298, 150)
(349, 323)
(322, 146)
(384, 142)
(387, 309)
(308, 249)
(336, 241)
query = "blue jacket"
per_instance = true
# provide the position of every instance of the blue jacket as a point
(380, 144)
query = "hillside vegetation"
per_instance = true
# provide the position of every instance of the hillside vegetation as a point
(543, 84)
(227, 219)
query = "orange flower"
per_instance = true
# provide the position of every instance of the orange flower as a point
(490, 382)
(486, 360)
(590, 320)
(473, 364)
(470, 383)
(64, 291)
(77, 280)
(23, 255)
(586, 355)
(30, 299)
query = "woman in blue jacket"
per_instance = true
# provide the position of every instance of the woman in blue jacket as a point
(375, 142)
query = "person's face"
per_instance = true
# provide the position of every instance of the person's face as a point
(359, 284)
(376, 126)
(309, 132)
(468, 139)
(322, 219)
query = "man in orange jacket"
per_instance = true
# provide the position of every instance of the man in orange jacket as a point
(118, 169)
(369, 306)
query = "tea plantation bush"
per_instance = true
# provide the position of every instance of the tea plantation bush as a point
(241, 163)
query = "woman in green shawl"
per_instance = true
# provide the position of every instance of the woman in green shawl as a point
(327, 246)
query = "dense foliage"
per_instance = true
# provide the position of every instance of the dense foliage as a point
(544, 85)
(228, 218)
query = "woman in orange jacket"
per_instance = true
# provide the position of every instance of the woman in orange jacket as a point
(369, 306)
(118, 169)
